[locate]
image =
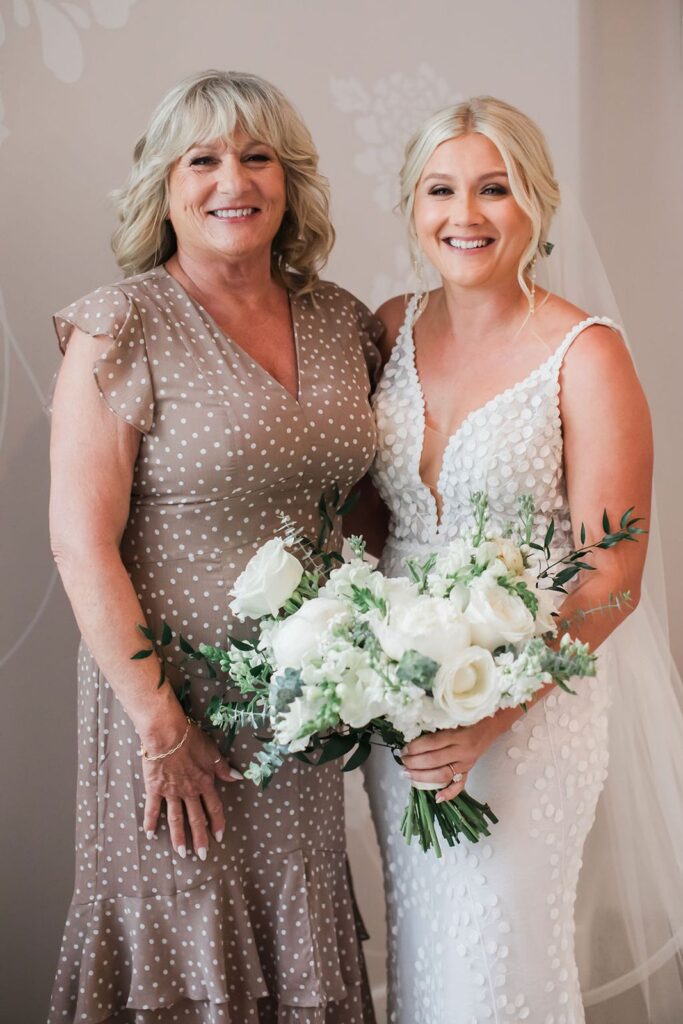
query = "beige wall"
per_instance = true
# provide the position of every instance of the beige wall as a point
(77, 82)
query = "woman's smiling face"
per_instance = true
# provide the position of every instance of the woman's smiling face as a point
(227, 198)
(468, 223)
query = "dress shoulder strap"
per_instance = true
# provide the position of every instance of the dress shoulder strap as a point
(574, 332)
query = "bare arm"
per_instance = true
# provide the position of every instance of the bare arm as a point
(608, 465)
(93, 455)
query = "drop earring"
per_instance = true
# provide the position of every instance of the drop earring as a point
(532, 296)
(418, 270)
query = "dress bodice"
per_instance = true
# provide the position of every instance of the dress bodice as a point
(508, 447)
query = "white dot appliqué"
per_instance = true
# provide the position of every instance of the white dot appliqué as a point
(487, 933)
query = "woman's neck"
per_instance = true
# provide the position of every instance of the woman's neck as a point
(476, 313)
(245, 282)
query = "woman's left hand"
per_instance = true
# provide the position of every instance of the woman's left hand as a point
(438, 756)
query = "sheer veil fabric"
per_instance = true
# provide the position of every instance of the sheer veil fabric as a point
(629, 917)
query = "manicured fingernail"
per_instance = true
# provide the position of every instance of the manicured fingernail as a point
(438, 798)
(150, 835)
(219, 836)
(201, 853)
(235, 774)
(182, 852)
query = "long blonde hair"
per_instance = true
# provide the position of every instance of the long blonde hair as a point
(211, 105)
(524, 151)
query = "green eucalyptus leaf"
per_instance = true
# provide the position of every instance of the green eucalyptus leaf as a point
(146, 632)
(166, 635)
(139, 655)
(418, 669)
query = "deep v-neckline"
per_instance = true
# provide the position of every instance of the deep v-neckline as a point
(480, 410)
(242, 352)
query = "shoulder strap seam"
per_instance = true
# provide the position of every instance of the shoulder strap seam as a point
(577, 330)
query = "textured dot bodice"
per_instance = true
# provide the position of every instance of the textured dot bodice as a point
(510, 446)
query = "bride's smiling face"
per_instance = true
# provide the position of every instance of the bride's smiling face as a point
(468, 223)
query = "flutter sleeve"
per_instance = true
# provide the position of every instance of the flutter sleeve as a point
(122, 373)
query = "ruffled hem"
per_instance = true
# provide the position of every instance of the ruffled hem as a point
(197, 955)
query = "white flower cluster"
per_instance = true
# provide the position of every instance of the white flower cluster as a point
(444, 649)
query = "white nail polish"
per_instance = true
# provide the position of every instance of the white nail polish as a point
(150, 835)
(201, 853)
(235, 774)
(219, 836)
(182, 852)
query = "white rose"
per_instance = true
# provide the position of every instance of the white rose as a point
(269, 579)
(299, 635)
(496, 616)
(433, 626)
(466, 687)
(511, 555)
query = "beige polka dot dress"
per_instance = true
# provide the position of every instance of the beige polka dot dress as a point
(265, 930)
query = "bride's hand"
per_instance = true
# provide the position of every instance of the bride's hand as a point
(439, 756)
(186, 781)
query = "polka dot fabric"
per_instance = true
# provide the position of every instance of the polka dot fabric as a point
(266, 929)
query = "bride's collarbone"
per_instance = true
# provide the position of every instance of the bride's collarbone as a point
(457, 379)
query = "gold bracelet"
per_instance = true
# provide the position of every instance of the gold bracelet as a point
(160, 757)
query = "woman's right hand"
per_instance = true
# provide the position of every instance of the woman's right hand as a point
(186, 781)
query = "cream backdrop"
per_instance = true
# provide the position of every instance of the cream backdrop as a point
(77, 82)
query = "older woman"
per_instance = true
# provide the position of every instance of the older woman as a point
(218, 385)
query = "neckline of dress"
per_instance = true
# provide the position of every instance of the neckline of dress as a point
(203, 312)
(511, 389)
(407, 333)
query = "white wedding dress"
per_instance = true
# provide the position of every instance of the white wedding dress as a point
(487, 933)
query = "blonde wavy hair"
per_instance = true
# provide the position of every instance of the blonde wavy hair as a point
(525, 154)
(211, 105)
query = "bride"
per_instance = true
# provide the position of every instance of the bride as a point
(494, 383)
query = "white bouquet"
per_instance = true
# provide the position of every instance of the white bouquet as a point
(347, 658)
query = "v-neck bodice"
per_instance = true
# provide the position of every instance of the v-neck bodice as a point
(228, 340)
(509, 446)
